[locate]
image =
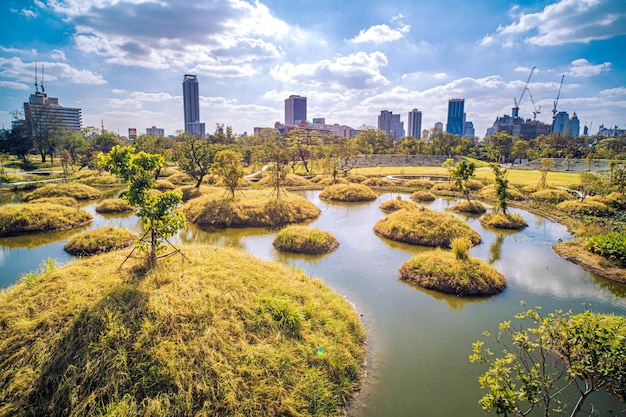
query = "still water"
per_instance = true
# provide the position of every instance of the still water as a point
(418, 340)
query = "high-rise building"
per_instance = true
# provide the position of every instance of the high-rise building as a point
(155, 131)
(415, 123)
(191, 106)
(391, 124)
(295, 110)
(562, 123)
(469, 129)
(456, 116)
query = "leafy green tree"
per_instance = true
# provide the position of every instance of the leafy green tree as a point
(461, 173)
(501, 185)
(302, 145)
(195, 155)
(448, 164)
(553, 364)
(499, 147)
(226, 164)
(275, 152)
(545, 166)
(72, 145)
(18, 142)
(156, 211)
(617, 175)
(520, 149)
(589, 184)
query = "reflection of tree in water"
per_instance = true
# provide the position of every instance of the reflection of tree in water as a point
(616, 288)
(495, 250)
(231, 237)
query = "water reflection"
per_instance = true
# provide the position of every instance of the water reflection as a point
(35, 240)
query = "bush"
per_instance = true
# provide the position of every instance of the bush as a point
(348, 193)
(461, 247)
(611, 246)
(424, 227)
(591, 208)
(422, 196)
(499, 220)
(441, 271)
(104, 239)
(114, 205)
(552, 196)
(302, 239)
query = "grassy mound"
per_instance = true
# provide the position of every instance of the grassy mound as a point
(103, 179)
(473, 207)
(356, 178)
(103, 239)
(489, 191)
(425, 227)
(379, 182)
(348, 193)
(445, 188)
(114, 205)
(419, 184)
(257, 208)
(499, 220)
(164, 185)
(441, 271)
(422, 196)
(302, 239)
(67, 189)
(225, 335)
(396, 204)
(290, 180)
(614, 200)
(63, 201)
(552, 196)
(16, 219)
(592, 208)
(180, 178)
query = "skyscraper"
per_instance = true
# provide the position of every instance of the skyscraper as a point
(390, 124)
(295, 110)
(456, 116)
(415, 123)
(191, 106)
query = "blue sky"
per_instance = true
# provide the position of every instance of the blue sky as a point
(122, 61)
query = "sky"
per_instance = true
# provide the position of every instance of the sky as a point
(123, 61)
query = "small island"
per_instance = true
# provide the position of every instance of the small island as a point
(350, 193)
(103, 239)
(302, 239)
(23, 218)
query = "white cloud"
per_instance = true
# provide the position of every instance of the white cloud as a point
(17, 69)
(614, 92)
(564, 22)
(583, 68)
(380, 34)
(28, 13)
(58, 55)
(14, 85)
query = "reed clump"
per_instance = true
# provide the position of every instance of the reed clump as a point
(223, 334)
(303, 239)
(472, 207)
(425, 227)
(351, 192)
(422, 196)
(396, 204)
(552, 196)
(500, 220)
(378, 182)
(24, 218)
(103, 239)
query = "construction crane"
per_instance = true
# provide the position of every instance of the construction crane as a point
(515, 110)
(536, 109)
(557, 98)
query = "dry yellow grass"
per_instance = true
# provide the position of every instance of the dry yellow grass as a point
(303, 239)
(351, 192)
(500, 220)
(103, 239)
(16, 219)
(396, 204)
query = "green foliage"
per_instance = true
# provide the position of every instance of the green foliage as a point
(461, 174)
(227, 166)
(195, 155)
(545, 167)
(590, 184)
(501, 186)
(553, 363)
(460, 247)
(610, 245)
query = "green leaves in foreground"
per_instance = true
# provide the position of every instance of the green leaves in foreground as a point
(554, 365)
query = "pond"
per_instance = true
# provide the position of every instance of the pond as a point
(418, 340)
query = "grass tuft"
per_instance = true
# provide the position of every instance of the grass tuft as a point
(16, 219)
(351, 192)
(302, 239)
(500, 220)
(396, 204)
(114, 205)
(473, 207)
(68, 189)
(103, 239)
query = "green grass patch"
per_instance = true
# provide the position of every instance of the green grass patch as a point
(303, 239)
(114, 205)
(68, 189)
(473, 207)
(103, 239)
(396, 204)
(499, 220)
(223, 335)
(17, 219)
(348, 193)
(425, 227)
(611, 246)
(440, 270)
(253, 208)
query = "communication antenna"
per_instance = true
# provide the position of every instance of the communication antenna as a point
(43, 89)
(36, 80)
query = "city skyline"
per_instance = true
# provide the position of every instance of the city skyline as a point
(125, 72)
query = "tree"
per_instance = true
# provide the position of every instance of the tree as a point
(553, 364)
(499, 147)
(275, 152)
(501, 185)
(520, 150)
(302, 145)
(226, 165)
(18, 142)
(461, 173)
(589, 184)
(156, 211)
(618, 175)
(194, 156)
(546, 165)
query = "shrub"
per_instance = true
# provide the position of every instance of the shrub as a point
(396, 204)
(114, 205)
(592, 208)
(348, 193)
(34, 217)
(472, 207)
(424, 227)
(302, 239)
(461, 247)
(422, 196)
(611, 246)
(104, 239)
(441, 271)
(500, 220)
(552, 196)
(68, 189)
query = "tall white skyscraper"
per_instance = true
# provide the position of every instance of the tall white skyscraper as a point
(415, 124)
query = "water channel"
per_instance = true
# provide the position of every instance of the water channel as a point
(418, 340)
